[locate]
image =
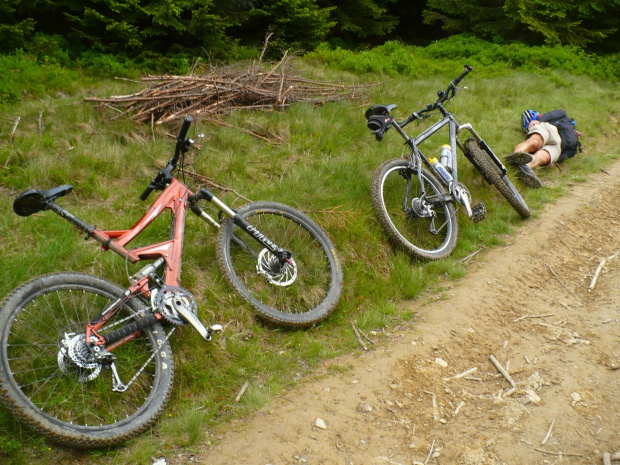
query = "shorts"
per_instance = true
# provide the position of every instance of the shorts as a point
(552, 142)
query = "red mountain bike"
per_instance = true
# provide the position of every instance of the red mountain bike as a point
(89, 364)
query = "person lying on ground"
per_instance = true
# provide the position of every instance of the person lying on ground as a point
(551, 137)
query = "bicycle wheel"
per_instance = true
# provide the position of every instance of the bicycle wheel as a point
(494, 176)
(416, 217)
(301, 293)
(46, 379)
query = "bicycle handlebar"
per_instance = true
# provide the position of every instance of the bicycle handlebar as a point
(165, 175)
(462, 75)
(443, 96)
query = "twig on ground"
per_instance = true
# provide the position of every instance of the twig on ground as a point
(605, 171)
(41, 125)
(598, 270)
(214, 184)
(504, 373)
(12, 138)
(430, 452)
(557, 453)
(532, 316)
(560, 281)
(544, 441)
(357, 335)
(242, 391)
(458, 408)
(606, 458)
(461, 375)
(470, 256)
(596, 273)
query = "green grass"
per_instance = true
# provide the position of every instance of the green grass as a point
(327, 162)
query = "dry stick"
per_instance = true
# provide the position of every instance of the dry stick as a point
(214, 184)
(596, 273)
(357, 335)
(502, 371)
(41, 126)
(242, 391)
(598, 270)
(17, 120)
(458, 408)
(365, 337)
(267, 37)
(606, 458)
(470, 256)
(532, 316)
(548, 434)
(560, 281)
(429, 453)
(557, 453)
(461, 375)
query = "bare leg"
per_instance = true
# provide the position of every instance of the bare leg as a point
(541, 158)
(530, 145)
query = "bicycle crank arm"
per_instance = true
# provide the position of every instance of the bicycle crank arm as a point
(193, 320)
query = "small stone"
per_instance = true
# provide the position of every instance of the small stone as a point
(364, 408)
(576, 398)
(320, 423)
(441, 362)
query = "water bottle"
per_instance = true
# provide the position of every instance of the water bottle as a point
(442, 171)
(446, 157)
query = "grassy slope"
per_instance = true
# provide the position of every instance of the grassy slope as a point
(328, 162)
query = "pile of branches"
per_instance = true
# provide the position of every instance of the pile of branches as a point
(220, 91)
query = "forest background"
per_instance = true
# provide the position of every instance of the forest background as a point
(167, 33)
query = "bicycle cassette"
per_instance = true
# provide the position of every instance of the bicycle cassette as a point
(169, 300)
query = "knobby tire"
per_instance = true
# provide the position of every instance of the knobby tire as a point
(409, 232)
(49, 393)
(495, 177)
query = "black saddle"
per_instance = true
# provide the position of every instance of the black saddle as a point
(34, 201)
(380, 110)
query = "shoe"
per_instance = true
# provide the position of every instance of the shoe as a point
(519, 158)
(527, 176)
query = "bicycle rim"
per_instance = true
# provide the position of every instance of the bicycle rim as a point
(73, 402)
(426, 226)
(302, 293)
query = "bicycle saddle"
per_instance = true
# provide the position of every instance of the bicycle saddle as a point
(34, 201)
(382, 110)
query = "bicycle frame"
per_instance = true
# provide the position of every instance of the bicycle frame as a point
(454, 129)
(177, 197)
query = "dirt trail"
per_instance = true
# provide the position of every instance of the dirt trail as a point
(528, 306)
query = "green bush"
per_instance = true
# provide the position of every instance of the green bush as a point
(394, 58)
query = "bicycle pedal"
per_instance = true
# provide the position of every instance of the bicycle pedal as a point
(478, 212)
(215, 329)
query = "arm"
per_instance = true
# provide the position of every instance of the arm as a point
(552, 116)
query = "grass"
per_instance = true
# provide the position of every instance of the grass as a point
(328, 161)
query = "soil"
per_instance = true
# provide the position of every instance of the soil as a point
(428, 393)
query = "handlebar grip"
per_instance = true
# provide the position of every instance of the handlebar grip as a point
(185, 127)
(146, 193)
(463, 74)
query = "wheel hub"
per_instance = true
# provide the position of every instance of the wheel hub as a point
(76, 360)
(275, 272)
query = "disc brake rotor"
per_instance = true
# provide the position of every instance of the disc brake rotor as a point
(277, 274)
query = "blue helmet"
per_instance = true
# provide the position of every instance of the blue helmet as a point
(526, 118)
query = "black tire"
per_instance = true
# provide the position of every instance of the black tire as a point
(413, 233)
(313, 293)
(44, 390)
(494, 176)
